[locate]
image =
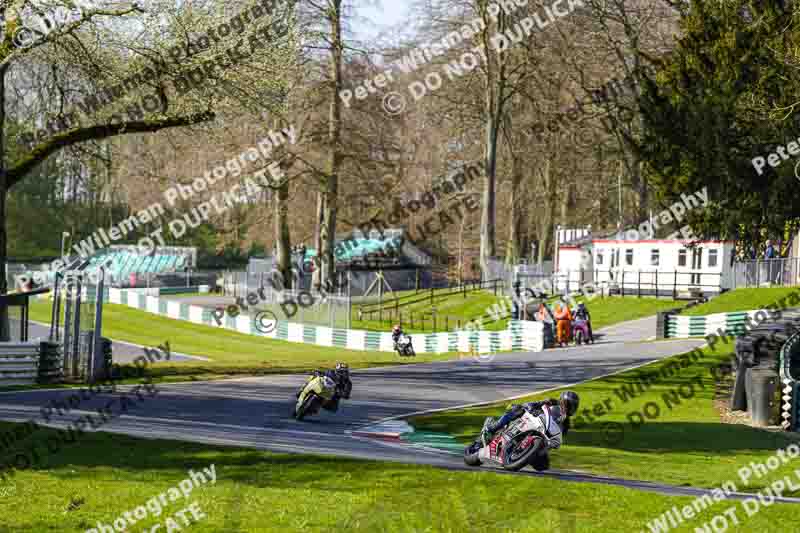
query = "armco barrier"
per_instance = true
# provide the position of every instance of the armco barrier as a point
(520, 335)
(19, 363)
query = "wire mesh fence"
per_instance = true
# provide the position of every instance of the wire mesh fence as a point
(309, 307)
(784, 271)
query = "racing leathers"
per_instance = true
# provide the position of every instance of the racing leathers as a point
(559, 421)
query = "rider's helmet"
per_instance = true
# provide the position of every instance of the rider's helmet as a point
(569, 401)
(396, 328)
(342, 370)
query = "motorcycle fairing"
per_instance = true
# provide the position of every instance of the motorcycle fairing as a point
(322, 386)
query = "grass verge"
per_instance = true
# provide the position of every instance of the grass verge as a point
(263, 492)
(231, 353)
(609, 310)
(743, 300)
(455, 306)
(685, 443)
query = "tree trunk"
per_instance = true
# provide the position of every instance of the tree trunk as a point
(5, 330)
(493, 108)
(547, 228)
(282, 235)
(318, 273)
(327, 207)
(565, 203)
(514, 246)
(488, 214)
(643, 210)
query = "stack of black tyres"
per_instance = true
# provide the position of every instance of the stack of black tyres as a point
(757, 378)
(51, 363)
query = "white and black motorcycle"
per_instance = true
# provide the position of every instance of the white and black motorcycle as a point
(404, 347)
(524, 441)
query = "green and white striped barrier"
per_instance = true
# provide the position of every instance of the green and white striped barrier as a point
(681, 326)
(520, 335)
(790, 387)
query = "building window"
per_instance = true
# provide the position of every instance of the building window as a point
(629, 256)
(599, 257)
(682, 258)
(712, 258)
(654, 257)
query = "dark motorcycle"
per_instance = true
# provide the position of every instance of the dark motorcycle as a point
(580, 332)
(404, 347)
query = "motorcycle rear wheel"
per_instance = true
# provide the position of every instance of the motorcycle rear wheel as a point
(516, 462)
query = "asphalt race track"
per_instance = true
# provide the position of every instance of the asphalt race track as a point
(255, 412)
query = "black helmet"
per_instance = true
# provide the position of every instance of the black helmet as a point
(342, 369)
(571, 401)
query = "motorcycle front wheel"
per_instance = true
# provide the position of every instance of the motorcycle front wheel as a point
(471, 454)
(513, 458)
(306, 406)
(540, 462)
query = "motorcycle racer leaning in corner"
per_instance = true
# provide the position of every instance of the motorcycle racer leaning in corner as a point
(341, 376)
(397, 331)
(560, 411)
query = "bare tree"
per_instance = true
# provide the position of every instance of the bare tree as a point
(126, 70)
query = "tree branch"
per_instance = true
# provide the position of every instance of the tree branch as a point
(68, 138)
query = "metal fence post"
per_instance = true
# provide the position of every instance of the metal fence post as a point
(622, 285)
(76, 335)
(639, 284)
(675, 286)
(656, 283)
(97, 359)
(56, 316)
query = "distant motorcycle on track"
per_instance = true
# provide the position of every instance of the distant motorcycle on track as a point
(404, 347)
(580, 332)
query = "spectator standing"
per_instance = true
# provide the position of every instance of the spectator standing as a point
(772, 266)
(770, 252)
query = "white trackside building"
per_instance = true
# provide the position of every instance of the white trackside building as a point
(648, 266)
